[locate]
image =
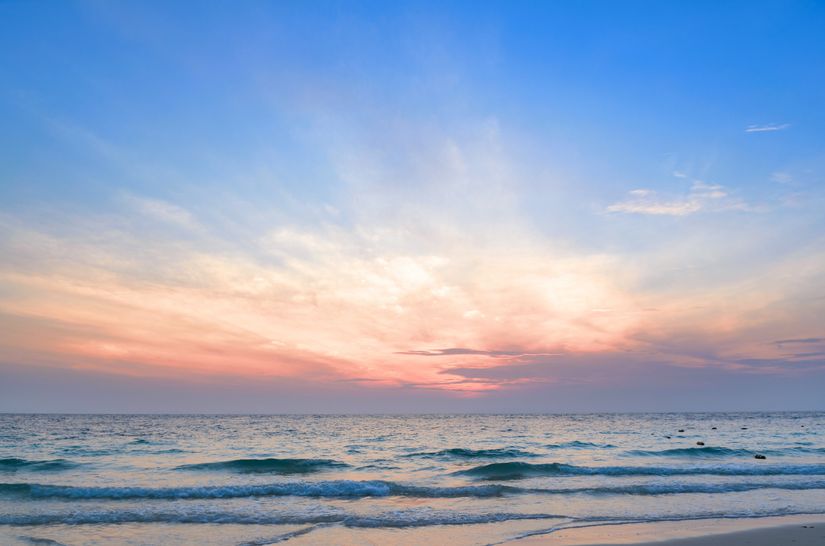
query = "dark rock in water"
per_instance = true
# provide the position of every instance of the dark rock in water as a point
(700, 443)
(681, 430)
(758, 456)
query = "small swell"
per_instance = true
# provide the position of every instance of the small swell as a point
(713, 451)
(681, 488)
(576, 444)
(705, 452)
(817, 450)
(14, 464)
(464, 453)
(267, 466)
(519, 470)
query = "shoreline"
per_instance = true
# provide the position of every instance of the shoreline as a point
(799, 530)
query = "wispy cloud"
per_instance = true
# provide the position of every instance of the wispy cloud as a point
(403, 291)
(701, 197)
(800, 340)
(197, 308)
(460, 351)
(163, 211)
(782, 177)
(767, 127)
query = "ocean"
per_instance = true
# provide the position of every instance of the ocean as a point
(442, 479)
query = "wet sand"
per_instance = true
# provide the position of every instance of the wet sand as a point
(775, 531)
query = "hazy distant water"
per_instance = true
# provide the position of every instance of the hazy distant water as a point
(393, 479)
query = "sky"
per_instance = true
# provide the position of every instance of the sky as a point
(389, 207)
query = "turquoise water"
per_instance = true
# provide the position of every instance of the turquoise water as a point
(467, 479)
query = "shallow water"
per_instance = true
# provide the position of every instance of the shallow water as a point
(471, 479)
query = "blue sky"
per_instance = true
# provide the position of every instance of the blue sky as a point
(586, 196)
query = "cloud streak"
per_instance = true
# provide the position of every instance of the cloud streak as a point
(804, 340)
(162, 211)
(701, 197)
(767, 128)
(473, 352)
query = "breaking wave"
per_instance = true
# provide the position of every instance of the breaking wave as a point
(393, 519)
(361, 489)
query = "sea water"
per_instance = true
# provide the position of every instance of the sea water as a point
(457, 479)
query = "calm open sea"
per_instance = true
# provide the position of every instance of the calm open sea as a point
(457, 479)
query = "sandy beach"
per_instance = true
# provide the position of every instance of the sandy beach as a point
(805, 530)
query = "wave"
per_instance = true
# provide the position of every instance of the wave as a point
(464, 453)
(361, 489)
(267, 466)
(815, 450)
(13, 464)
(576, 444)
(711, 488)
(715, 451)
(707, 451)
(327, 489)
(517, 470)
(394, 519)
(82, 451)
